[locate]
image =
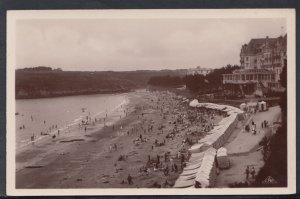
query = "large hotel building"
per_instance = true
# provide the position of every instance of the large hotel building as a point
(262, 61)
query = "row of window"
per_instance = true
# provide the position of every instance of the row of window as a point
(259, 77)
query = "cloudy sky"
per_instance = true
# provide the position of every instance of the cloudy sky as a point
(136, 44)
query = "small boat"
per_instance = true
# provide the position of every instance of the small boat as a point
(17, 113)
(83, 109)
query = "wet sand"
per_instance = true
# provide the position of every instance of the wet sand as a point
(89, 160)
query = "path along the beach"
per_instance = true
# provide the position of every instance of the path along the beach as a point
(242, 148)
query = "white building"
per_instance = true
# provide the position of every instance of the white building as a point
(199, 71)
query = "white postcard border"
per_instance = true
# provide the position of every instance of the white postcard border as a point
(13, 16)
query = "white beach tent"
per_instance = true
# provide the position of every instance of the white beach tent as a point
(251, 106)
(201, 168)
(243, 106)
(222, 158)
(194, 103)
(184, 183)
(199, 147)
(206, 175)
(262, 106)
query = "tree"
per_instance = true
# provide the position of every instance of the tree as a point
(276, 165)
(165, 81)
(195, 82)
(283, 75)
(211, 81)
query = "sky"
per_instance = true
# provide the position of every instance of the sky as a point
(137, 44)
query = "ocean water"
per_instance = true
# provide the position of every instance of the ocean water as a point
(43, 115)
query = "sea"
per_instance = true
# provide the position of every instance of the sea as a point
(48, 115)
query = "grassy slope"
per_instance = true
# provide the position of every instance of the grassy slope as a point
(38, 84)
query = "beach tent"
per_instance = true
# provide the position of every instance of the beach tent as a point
(262, 106)
(194, 103)
(201, 168)
(243, 106)
(207, 173)
(196, 148)
(222, 158)
(184, 183)
(189, 172)
(251, 106)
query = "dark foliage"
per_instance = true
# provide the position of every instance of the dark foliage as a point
(209, 83)
(276, 164)
(215, 78)
(195, 83)
(166, 81)
(283, 75)
(41, 82)
(38, 68)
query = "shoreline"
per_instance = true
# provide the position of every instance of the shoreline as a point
(91, 163)
(77, 94)
(18, 97)
(71, 124)
(69, 133)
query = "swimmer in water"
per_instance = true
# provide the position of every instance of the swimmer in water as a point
(32, 138)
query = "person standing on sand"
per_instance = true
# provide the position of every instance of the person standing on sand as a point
(182, 158)
(32, 138)
(172, 163)
(247, 172)
(166, 157)
(253, 172)
(129, 179)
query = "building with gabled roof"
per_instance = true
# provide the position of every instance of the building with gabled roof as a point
(262, 61)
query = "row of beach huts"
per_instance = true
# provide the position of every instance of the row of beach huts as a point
(208, 155)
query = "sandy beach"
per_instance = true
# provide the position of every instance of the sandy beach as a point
(143, 144)
(143, 141)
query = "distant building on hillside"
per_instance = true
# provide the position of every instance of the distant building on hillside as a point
(262, 61)
(199, 71)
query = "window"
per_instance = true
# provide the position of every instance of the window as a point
(273, 77)
(243, 77)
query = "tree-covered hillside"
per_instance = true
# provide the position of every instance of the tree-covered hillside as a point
(44, 82)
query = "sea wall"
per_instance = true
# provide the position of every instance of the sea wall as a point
(201, 169)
